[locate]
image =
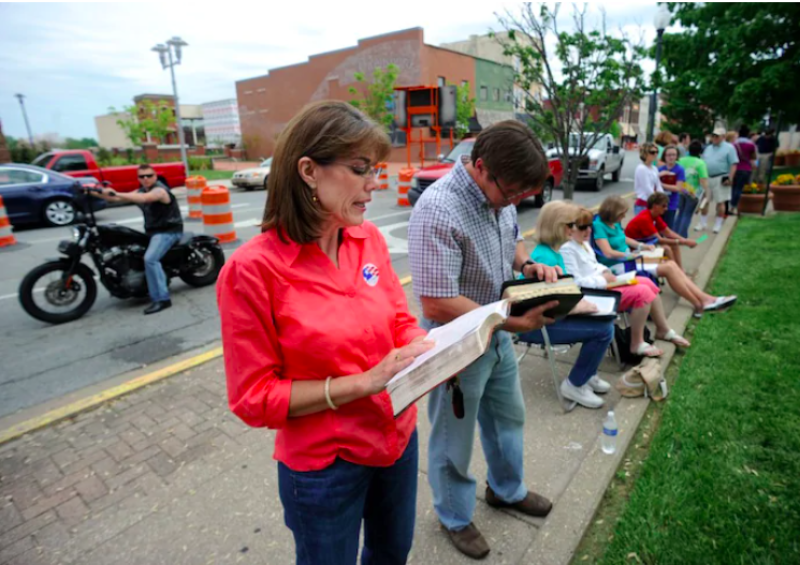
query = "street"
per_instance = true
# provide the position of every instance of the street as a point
(41, 362)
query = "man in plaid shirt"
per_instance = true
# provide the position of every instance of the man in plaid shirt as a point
(463, 244)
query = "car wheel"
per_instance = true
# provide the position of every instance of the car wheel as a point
(615, 175)
(266, 179)
(546, 195)
(59, 212)
(600, 180)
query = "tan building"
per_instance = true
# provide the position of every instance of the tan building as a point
(109, 134)
(490, 48)
(267, 103)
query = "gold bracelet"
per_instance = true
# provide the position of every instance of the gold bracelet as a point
(328, 394)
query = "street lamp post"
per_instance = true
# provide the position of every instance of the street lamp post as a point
(661, 21)
(170, 55)
(21, 98)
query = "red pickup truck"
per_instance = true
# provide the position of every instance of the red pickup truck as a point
(81, 163)
(427, 176)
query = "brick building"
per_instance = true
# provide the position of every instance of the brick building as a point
(268, 102)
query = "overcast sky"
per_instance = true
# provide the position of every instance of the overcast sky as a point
(73, 61)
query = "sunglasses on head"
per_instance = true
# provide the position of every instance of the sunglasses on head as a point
(147, 176)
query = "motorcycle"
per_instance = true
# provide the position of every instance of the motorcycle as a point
(68, 286)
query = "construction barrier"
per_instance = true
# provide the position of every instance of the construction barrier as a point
(383, 176)
(403, 185)
(195, 187)
(6, 236)
(217, 215)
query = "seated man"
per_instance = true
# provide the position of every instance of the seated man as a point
(649, 227)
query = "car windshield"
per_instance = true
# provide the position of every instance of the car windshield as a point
(42, 159)
(267, 162)
(600, 144)
(463, 148)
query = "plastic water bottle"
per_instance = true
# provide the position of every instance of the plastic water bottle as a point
(609, 439)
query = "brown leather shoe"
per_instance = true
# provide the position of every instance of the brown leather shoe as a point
(533, 504)
(469, 541)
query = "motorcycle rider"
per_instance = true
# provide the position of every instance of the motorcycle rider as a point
(164, 225)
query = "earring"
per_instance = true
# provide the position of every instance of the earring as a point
(314, 197)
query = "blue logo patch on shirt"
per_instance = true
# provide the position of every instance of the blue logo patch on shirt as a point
(371, 274)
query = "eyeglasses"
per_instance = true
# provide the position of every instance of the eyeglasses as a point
(653, 152)
(366, 171)
(506, 196)
(583, 227)
(146, 176)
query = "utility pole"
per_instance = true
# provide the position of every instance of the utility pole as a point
(21, 98)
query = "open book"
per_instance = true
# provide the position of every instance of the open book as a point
(525, 294)
(623, 279)
(654, 256)
(458, 344)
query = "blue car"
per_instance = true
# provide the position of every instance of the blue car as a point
(35, 195)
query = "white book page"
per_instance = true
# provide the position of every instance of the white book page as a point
(455, 331)
(657, 253)
(605, 304)
(626, 277)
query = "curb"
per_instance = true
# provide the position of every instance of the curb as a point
(574, 511)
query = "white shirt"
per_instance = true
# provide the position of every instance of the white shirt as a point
(646, 182)
(581, 263)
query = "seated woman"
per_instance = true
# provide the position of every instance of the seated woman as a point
(583, 384)
(614, 244)
(641, 299)
(649, 227)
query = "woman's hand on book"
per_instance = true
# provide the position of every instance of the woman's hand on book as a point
(541, 272)
(609, 276)
(584, 307)
(533, 319)
(374, 380)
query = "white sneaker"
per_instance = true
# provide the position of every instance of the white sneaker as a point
(598, 385)
(583, 395)
(717, 227)
(700, 227)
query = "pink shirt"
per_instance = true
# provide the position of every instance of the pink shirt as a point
(289, 314)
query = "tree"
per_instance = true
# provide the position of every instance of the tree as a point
(465, 109)
(375, 98)
(588, 77)
(737, 61)
(83, 143)
(157, 119)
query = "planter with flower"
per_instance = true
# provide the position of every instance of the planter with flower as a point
(786, 193)
(780, 158)
(752, 200)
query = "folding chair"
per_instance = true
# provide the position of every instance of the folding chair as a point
(549, 351)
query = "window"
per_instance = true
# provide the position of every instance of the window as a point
(508, 96)
(19, 176)
(440, 81)
(496, 95)
(484, 93)
(71, 163)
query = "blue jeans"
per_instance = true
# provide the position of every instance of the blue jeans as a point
(595, 335)
(159, 244)
(685, 213)
(669, 218)
(324, 510)
(493, 399)
(740, 179)
(638, 209)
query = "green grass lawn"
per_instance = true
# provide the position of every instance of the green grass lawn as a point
(721, 480)
(213, 175)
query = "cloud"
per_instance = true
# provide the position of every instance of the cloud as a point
(73, 61)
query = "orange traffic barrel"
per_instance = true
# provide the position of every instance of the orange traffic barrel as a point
(403, 186)
(194, 187)
(6, 236)
(383, 176)
(217, 215)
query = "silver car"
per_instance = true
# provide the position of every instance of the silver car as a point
(256, 177)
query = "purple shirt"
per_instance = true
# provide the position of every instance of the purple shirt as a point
(746, 150)
(680, 176)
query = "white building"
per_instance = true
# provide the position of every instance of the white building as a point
(221, 120)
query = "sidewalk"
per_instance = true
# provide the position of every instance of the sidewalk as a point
(168, 475)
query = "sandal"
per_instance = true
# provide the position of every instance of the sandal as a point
(673, 337)
(647, 350)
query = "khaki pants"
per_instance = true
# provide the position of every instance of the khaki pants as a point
(764, 159)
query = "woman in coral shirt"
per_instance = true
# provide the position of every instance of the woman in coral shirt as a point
(314, 324)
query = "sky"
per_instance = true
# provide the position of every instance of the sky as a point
(73, 61)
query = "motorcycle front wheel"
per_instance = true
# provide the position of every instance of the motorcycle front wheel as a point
(48, 295)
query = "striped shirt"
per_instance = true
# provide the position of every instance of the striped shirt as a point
(458, 245)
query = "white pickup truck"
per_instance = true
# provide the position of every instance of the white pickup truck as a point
(603, 158)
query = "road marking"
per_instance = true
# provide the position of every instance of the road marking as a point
(395, 244)
(69, 410)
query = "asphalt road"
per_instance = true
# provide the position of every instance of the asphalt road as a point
(40, 362)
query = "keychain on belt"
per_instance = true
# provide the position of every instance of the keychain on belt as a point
(458, 397)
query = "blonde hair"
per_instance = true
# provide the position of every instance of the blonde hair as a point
(645, 148)
(553, 218)
(585, 216)
(731, 136)
(612, 208)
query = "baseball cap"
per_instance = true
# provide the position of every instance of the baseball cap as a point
(719, 131)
